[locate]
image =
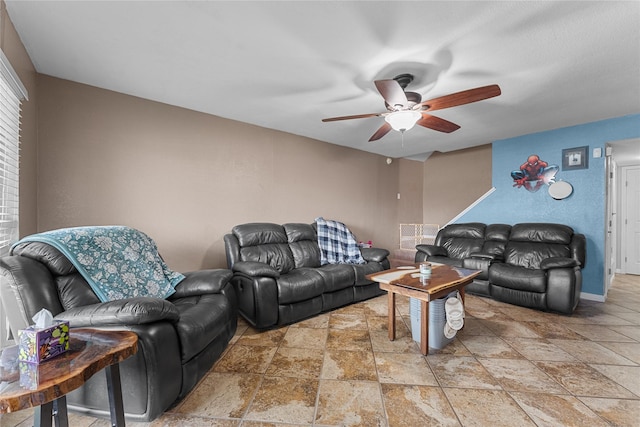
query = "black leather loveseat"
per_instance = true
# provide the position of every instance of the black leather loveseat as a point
(536, 265)
(278, 277)
(179, 339)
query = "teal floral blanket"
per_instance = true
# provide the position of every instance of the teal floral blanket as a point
(118, 262)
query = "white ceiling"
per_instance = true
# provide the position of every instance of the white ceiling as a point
(287, 65)
(626, 152)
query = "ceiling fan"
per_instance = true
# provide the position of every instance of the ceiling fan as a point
(405, 109)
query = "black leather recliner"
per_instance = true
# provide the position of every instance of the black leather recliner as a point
(179, 339)
(536, 265)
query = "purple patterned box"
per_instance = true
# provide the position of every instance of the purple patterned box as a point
(38, 345)
(29, 375)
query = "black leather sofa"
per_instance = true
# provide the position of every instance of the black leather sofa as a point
(179, 339)
(536, 265)
(278, 277)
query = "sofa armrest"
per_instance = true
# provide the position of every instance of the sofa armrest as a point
(432, 250)
(255, 269)
(131, 311)
(374, 254)
(202, 282)
(579, 249)
(478, 263)
(557, 262)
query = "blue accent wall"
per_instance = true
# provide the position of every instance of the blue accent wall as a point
(584, 210)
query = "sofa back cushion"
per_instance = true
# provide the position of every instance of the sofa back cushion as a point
(53, 259)
(73, 289)
(461, 240)
(496, 237)
(530, 243)
(303, 242)
(266, 243)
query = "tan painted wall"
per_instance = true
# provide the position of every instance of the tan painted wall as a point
(453, 181)
(411, 188)
(16, 53)
(186, 178)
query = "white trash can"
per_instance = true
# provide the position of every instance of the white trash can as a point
(437, 320)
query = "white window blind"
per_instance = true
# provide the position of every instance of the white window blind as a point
(12, 92)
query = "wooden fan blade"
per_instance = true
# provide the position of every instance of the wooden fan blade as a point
(357, 116)
(382, 131)
(392, 92)
(436, 123)
(461, 98)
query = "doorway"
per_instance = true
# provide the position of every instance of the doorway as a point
(630, 219)
(623, 209)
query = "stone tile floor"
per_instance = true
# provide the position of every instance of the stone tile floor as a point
(509, 366)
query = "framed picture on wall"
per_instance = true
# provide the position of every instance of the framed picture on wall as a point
(575, 158)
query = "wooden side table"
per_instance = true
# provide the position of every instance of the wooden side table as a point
(45, 386)
(408, 282)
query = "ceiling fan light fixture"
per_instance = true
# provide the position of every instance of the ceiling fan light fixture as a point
(403, 120)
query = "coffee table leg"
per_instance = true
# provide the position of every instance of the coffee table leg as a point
(461, 290)
(114, 388)
(60, 414)
(391, 306)
(42, 415)
(424, 327)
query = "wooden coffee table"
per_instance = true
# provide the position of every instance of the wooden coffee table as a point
(408, 282)
(45, 386)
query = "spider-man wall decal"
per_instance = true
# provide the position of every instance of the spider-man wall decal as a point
(534, 173)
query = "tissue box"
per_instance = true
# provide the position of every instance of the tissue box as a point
(29, 375)
(37, 345)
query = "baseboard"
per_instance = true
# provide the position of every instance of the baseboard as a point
(592, 297)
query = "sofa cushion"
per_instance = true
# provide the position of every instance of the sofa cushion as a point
(461, 240)
(496, 238)
(518, 278)
(497, 232)
(299, 285)
(259, 233)
(297, 232)
(432, 250)
(531, 254)
(362, 270)
(337, 276)
(277, 255)
(542, 233)
(56, 262)
(303, 243)
(459, 248)
(470, 230)
(74, 291)
(266, 243)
